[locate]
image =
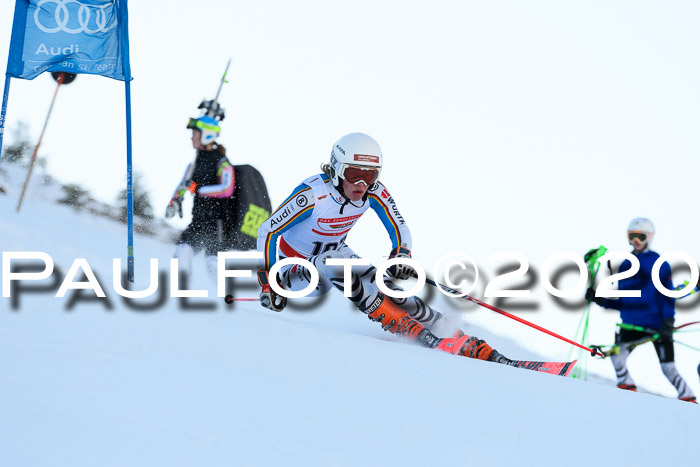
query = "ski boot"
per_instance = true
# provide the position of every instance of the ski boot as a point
(396, 321)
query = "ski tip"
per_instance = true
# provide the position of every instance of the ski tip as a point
(568, 368)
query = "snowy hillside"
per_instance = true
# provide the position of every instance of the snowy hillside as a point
(98, 382)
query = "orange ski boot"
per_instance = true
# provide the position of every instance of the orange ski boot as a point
(397, 321)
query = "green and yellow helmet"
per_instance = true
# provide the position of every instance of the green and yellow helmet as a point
(208, 126)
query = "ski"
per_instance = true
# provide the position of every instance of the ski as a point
(553, 368)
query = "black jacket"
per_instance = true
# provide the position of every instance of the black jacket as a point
(206, 167)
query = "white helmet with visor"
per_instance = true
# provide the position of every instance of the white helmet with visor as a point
(356, 158)
(640, 231)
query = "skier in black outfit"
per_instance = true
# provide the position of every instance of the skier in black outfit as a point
(211, 179)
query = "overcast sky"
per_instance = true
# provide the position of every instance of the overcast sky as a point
(535, 126)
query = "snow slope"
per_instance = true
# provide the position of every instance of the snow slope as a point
(87, 382)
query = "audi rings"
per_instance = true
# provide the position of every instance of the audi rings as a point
(62, 16)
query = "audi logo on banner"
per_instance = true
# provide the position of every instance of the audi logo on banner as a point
(73, 17)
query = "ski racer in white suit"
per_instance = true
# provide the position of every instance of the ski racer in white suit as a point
(313, 222)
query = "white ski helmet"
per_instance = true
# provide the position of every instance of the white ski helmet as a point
(356, 158)
(208, 126)
(641, 228)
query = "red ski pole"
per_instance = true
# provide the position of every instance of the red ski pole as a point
(594, 351)
(230, 299)
(687, 324)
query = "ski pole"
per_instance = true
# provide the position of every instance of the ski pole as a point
(593, 351)
(59, 81)
(687, 324)
(633, 327)
(230, 299)
(592, 260)
(615, 348)
(653, 335)
(687, 345)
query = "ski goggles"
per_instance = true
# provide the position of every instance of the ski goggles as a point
(641, 236)
(195, 124)
(355, 174)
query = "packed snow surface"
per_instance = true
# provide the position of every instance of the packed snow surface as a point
(88, 381)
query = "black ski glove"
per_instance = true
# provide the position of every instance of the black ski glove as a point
(589, 254)
(592, 252)
(666, 330)
(268, 297)
(590, 296)
(400, 271)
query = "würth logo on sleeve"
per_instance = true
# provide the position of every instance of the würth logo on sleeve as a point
(366, 158)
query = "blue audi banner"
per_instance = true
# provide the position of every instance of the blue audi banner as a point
(86, 36)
